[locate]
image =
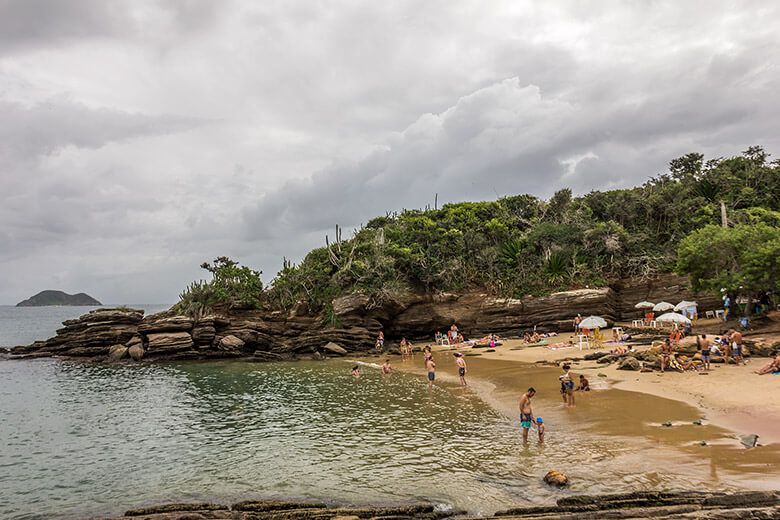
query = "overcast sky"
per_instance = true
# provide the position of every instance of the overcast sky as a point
(140, 138)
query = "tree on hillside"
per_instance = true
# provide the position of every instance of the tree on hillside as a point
(743, 259)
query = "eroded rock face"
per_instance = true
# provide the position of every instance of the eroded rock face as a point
(168, 342)
(117, 352)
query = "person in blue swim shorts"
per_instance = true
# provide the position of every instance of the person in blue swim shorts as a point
(526, 414)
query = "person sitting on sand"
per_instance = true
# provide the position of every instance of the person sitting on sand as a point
(535, 337)
(626, 336)
(675, 336)
(568, 383)
(666, 353)
(386, 368)
(584, 385)
(541, 428)
(526, 338)
(355, 371)
(459, 338)
(439, 337)
(615, 336)
(771, 367)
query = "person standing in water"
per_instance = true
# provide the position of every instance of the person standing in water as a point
(386, 368)
(461, 367)
(356, 371)
(431, 366)
(526, 414)
(568, 383)
(540, 428)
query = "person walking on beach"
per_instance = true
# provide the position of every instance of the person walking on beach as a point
(666, 352)
(461, 367)
(526, 414)
(704, 345)
(431, 366)
(386, 368)
(568, 383)
(736, 346)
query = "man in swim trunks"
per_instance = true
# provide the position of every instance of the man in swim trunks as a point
(666, 351)
(736, 346)
(704, 345)
(526, 414)
(568, 384)
(386, 368)
(461, 367)
(431, 366)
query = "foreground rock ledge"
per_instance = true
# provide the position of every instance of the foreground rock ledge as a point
(649, 504)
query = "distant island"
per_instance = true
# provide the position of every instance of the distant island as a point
(44, 298)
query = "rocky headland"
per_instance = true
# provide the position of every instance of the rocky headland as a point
(278, 335)
(650, 504)
(49, 297)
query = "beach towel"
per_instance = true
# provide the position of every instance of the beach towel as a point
(559, 346)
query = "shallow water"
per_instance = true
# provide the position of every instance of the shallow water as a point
(86, 439)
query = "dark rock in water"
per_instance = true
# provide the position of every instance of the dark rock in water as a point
(667, 424)
(171, 508)
(697, 422)
(490, 350)
(556, 478)
(45, 298)
(749, 440)
(703, 443)
(629, 363)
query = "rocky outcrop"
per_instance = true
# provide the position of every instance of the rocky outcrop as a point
(642, 504)
(354, 325)
(665, 287)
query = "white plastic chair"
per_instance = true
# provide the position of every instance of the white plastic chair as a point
(709, 314)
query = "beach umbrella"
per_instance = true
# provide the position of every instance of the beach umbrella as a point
(593, 322)
(663, 306)
(684, 305)
(673, 317)
(644, 305)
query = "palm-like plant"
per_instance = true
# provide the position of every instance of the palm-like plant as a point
(556, 268)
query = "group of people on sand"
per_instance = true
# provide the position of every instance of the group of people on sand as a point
(453, 336)
(728, 346)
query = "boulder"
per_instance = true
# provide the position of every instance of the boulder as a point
(334, 348)
(203, 334)
(230, 343)
(165, 322)
(117, 352)
(136, 351)
(629, 363)
(556, 478)
(350, 304)
(167, 342)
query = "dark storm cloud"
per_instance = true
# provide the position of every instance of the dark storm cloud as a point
(138, 139)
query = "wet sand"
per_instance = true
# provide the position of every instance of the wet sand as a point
(621, 421)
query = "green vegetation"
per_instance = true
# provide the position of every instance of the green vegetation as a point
(523, 245)
(230, 283)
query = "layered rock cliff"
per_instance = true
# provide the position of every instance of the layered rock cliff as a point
(274, 335)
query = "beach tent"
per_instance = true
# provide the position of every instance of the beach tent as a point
(593, 322)
(644, 305)
(663, 306)
(673, 317)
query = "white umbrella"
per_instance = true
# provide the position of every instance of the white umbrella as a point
(684, 305)
(644, 305)
(593, 322)
(673, 317)
(663, 306)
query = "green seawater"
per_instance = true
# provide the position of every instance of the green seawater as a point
(84, 439)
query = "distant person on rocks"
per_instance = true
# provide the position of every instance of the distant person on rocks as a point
(381, 340)
(704, 346)
(386, 368)
(461, 367)
(736, 346)
(355, 371)
(540, 428)
(526, 414)
(431, 366)
(666, 352)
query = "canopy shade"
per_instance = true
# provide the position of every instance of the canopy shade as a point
(663, 306)
(684, 305)
(644, 305)
(673, 317)
(593, 322)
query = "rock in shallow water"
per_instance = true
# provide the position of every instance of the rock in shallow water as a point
(556, 478)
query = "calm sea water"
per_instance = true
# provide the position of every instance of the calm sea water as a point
(23, 325)
(80, 439)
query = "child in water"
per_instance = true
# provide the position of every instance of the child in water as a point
(541, 428)
(356, 371)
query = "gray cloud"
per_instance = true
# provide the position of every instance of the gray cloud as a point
(138, 139)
